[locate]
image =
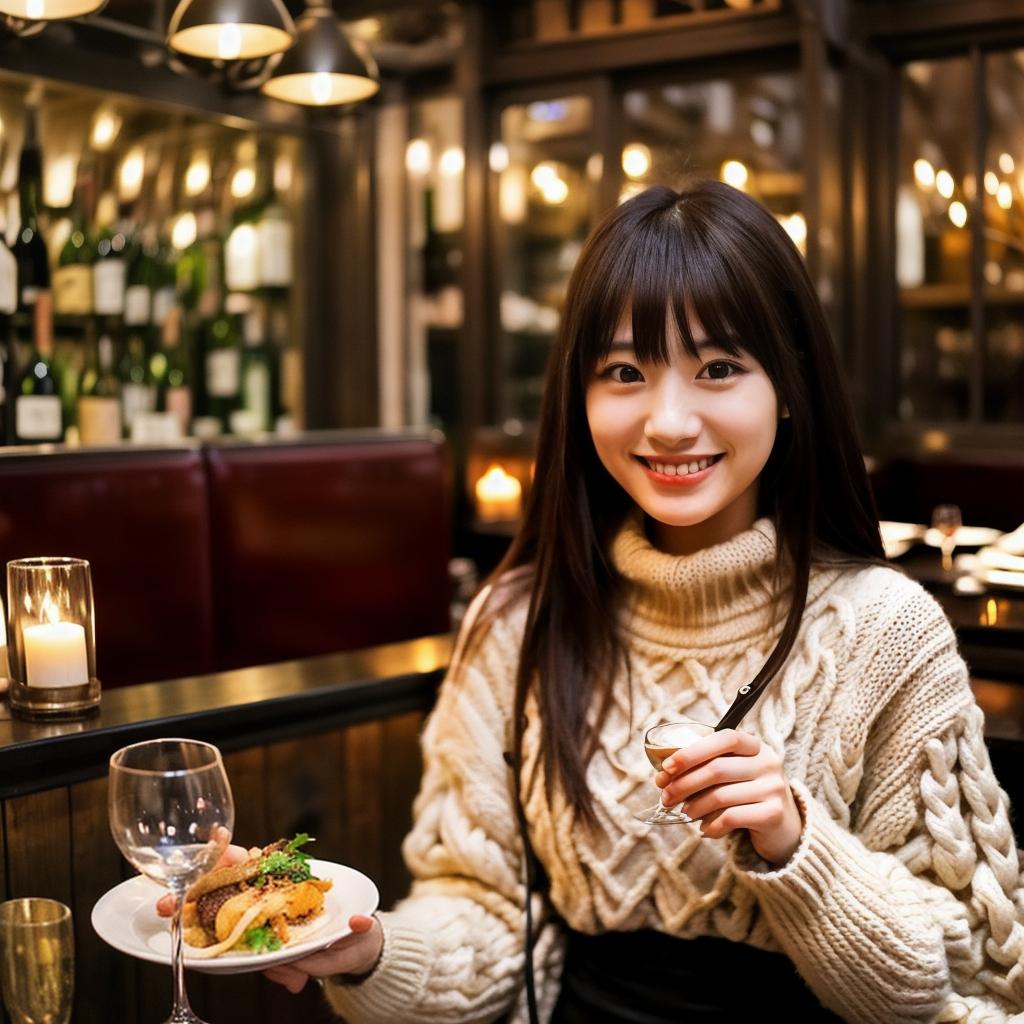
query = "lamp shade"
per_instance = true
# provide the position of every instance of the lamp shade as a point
(230, 29)
(324, 67)
(50, 10)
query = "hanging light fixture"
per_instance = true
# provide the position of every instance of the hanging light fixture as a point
(50, 10)
(230, 29)
(324, 67)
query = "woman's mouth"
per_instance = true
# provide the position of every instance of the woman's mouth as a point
(679, 473)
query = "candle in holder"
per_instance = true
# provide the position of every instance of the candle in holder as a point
(499, 496)
(55, 655)
(52, 650)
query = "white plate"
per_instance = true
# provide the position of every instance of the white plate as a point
(126, 918)
(899, 538)
(966, 537)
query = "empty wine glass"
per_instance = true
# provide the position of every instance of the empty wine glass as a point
(37, 961)
(171, 815)
(947, 520)
(660, 742)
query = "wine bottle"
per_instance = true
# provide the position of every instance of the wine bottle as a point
(170, 371)
(8, 368)
(259, 371)
(29, 247)
(138, 293)
(73, 279)
(223, 362)
(109, 272)
(99, 398)
(38, 414)
(164, 283)
(138, 395)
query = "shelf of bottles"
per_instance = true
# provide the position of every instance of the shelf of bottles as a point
(940, 190)
(145, 275)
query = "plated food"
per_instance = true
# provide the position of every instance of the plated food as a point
(269, 901)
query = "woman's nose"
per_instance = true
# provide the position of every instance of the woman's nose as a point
(672, 418)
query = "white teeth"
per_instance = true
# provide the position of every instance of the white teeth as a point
(704, 463)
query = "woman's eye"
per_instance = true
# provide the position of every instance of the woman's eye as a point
(623, 374)
(720, 370)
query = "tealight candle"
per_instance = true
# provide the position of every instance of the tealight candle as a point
(499, 496)
(55, 655)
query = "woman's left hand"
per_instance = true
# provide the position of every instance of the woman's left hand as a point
(732, 780)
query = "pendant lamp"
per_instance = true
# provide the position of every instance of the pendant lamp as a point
(324, 67)
(230, 29)
(49, 10)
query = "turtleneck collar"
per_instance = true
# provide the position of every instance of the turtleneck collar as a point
(720, 595)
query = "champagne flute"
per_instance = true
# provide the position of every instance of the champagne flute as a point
(947, 520)
(171, 815)
(37, 961)
(660, 742)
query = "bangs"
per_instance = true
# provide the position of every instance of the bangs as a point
(668, 270)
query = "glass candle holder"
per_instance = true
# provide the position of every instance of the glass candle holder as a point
(3, 649)
(51, 638)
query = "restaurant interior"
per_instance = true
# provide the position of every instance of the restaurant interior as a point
(272, 362)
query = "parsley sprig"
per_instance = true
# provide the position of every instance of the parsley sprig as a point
(261, 939)
(290, 863)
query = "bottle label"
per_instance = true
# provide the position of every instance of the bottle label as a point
(99, 420)
(8, 281)
(163, 302)
(29, 294)
(108, 287)
(37, 418)
(222, 372)
(136, 399)
(137, 305)
(73, 289)
(257, 393)
(179, 402)
(275, 249)
(242, 259)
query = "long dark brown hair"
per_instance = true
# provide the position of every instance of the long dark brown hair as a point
(713, 254)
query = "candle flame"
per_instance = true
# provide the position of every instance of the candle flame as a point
(497, 485)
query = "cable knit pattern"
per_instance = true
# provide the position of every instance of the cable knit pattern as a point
(904, 900)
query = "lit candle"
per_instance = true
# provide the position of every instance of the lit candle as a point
(55, 655)
(499, 496)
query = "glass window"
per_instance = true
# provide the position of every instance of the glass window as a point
(1003, 271)
(936, 187)
(546, 178)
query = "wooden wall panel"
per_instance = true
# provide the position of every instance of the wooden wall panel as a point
(38, 828)
(361, 785)
(403, 769)
(104, 979)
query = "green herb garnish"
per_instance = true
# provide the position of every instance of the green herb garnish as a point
(261, 939)
(290, 863)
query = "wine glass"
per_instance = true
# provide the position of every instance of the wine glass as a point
(37, 961)
(947, 520)
(660, 742)
(171, 815)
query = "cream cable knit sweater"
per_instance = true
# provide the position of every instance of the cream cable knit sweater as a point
(904, 900)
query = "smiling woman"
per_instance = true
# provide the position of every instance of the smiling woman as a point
(699, 543)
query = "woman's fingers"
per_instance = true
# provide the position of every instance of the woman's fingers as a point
(720, 798)
(290, 977)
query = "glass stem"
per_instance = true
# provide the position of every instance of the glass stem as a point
(181, 1010)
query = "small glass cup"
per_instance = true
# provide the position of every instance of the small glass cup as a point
(52, 638)
(660, 742)
(946, 519)
(37, 961)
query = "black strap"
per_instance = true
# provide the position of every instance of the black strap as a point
(533, 872)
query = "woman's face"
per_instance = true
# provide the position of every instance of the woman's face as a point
(686, 441)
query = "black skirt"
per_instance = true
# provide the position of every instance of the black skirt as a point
(647, 977)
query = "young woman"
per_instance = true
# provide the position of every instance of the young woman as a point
(700, 532)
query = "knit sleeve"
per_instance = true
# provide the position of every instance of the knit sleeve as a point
(908, 905)
(454, 949)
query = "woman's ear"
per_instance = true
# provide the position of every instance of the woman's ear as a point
(784, 413)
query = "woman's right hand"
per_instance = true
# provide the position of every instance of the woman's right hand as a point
(355, 954)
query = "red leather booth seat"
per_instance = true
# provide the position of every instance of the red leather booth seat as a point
(140, 518)
(989, 489)
(326, 547)
(240, 554)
